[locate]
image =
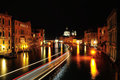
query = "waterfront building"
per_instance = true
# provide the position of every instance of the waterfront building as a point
(22, 35)
(5, 34)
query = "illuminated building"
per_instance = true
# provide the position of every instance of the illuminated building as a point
(113, 22)
(90, 38)
(74, 33)
(68, 36)
(66, 33)
(22, 35)
(102, 38)
(5, 33)
(39, 35)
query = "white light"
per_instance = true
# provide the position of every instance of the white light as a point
(56, 40)
(61, 41)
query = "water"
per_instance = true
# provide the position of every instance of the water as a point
(26, 58)
(81, 66)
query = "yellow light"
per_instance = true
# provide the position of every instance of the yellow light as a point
(41, 43)
(49, 43)
(4, 67)
(3, 46)
(25, 60)
(78, 50)
(24, 46)
(49, 54)
(94, 70)
(95, 42)
(77, 42)
(93, 52)
(78, 56)
(61, 48)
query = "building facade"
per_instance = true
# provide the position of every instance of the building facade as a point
(90, 38)
(103, 38)
(22, 35)
(5, 34)
(39, 35)
(113, 35)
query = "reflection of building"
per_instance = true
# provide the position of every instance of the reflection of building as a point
(39, 35)
(22, 35)
(5, 33)
(90, 38)
(113, 35)
(102, 38)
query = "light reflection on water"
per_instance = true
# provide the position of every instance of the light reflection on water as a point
(61, 48)
(78, 55)
(3, 66)
(25, 59)
(49, 54)
(44, 54)
(85, 49)
(94, 71)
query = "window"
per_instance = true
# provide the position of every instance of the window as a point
(9, 47)
(9, 22)
(0, 34)
(22, 31)
(16, 23)
(100, 30)
(9, 34)
(100, 37)
(16, 40)
(3, 42)
(16, 31)
(0, 20)
(3, 21)
(9, 42)
(110, 24)
(41, 34)
(3, 34)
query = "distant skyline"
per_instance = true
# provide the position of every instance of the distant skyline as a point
(55, 16)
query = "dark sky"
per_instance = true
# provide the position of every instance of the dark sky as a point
(56, 15)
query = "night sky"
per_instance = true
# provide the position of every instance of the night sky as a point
(55, 15)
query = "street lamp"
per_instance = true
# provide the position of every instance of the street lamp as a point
(93, 52)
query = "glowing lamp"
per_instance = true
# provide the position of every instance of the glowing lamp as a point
(56, 40)
(3, 46)
(49, 43)
(93, 52)
(77, 42)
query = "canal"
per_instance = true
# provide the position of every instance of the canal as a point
(26, 61)
(81, 66)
